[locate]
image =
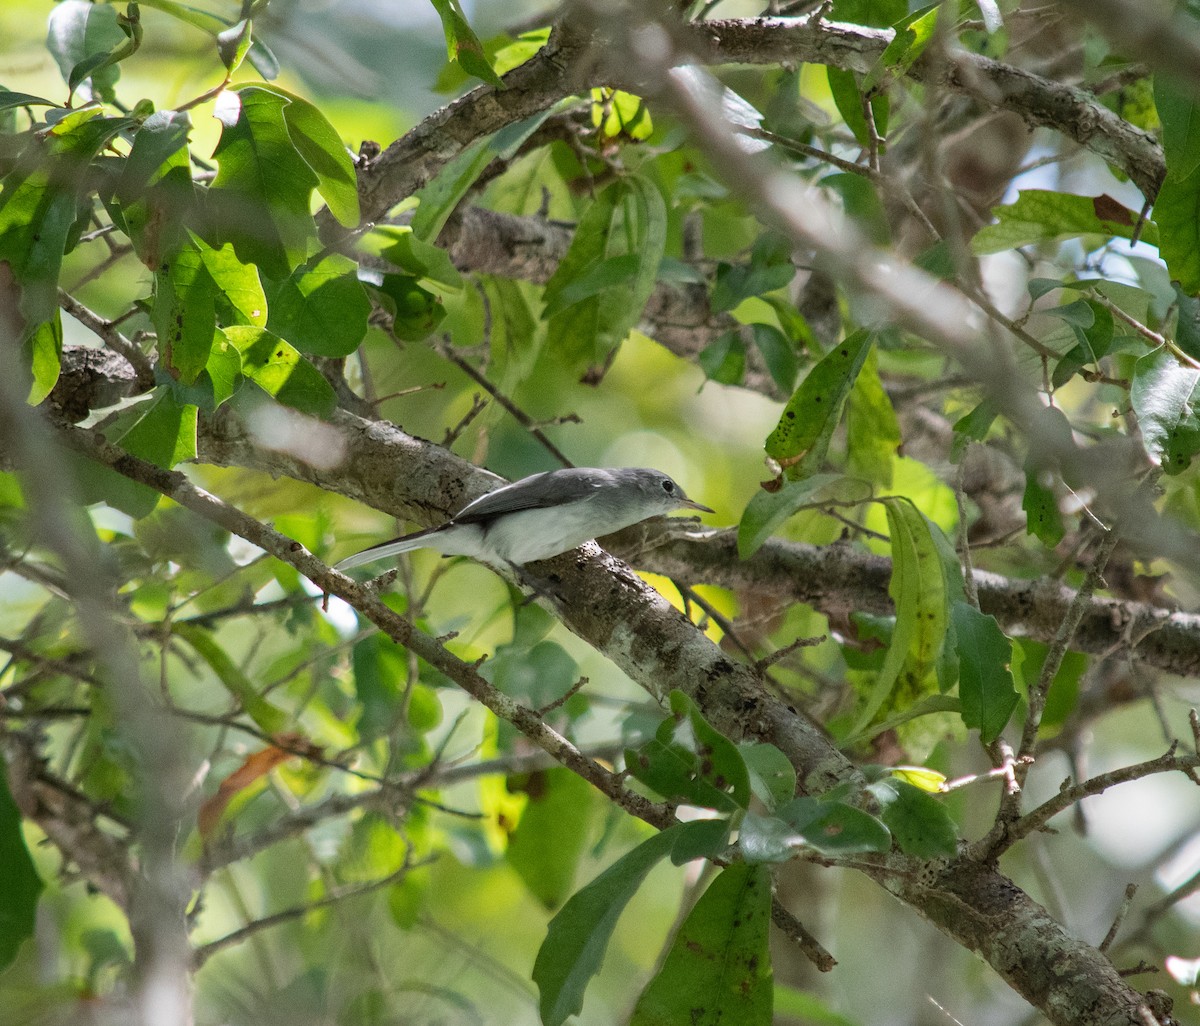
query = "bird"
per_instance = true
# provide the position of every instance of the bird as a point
(542, 515)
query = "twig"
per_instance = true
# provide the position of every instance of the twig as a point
(964, 545)
(562, 700)
(205, 951)
(1002, 772)
(1003, 834)
(478, 405)
(798, 935)
(1119, 918)
(519, 415)
(1069, 795)
(767, 661)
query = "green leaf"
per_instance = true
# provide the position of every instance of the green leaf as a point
(628, 219)
(770, 267)
(515, 341)
(1040, 216)
(552, 834)
(259, 200)
(872, 430)
(835, 828)
(792, 1003)
(222, 373)
(377, 685)
(1043, 519)
(718, 970)
(234, 42)
(766, 511)
(1094, 329)
(860, 200)
(1079, 313)
(848, 98)
(154, 189)
(280, 371)
(772, 776)
(417, 257)
(20, 885)
(918, 821)
(919, 592)
(1164, 396)
(322, 149)
(185, 311)
(268, 717)
(724, 360)
(879, 13)
(767, 839)
(415, 311)
(690, 761)
(166, 435)
(321, 310)
(801, 439)
(607, 274)
(617, 113)
(577, 937)
(985, 684)
(913, 34)
(521, 49)
(10, 99)
(778, 354)
(40, 204)
(43, 352)
(462, 45)
(193, 285)
(81, 37)
(1175, 102)
(973, 426)
(1177, 214)
(438, 199)
(1187, 325)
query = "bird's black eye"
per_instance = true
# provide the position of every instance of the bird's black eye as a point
(668, 486)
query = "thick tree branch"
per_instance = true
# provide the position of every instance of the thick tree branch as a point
(416, 480)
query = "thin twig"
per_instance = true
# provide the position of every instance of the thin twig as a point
(1119, 918)
(519, 415)
(205, 951)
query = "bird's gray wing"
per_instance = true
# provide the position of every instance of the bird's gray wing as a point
(551, 488)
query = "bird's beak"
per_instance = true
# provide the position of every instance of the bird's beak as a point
(691, 504)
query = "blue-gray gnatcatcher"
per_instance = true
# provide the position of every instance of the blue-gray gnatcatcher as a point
(542, 515)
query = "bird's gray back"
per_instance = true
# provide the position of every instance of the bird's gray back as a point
(550, 488)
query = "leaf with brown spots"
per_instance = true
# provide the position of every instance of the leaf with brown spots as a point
(718, 970)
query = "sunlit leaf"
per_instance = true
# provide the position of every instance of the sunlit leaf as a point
(919, 592)
(279, 370)
(801, 439)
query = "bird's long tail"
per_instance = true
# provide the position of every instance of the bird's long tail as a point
(416, 540)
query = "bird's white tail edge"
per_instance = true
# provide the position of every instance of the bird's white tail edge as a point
(391, 548)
